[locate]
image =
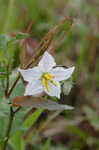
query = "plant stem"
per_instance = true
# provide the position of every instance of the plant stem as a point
(14, 84)
(7, 81)
(11, 118)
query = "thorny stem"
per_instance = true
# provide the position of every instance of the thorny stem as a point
(11, 118)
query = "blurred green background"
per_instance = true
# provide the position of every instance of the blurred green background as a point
(67, 130)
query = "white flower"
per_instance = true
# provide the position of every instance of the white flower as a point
(45, 77)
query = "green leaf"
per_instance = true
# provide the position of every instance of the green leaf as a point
(78, 132)
(17, 141)
(47, 145)
(92, 116)
(4, 113)
(20, 36)
(32, 118)
(3, 42)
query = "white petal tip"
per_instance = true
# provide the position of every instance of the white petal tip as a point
(27, 94)
(20, 70)
(46, 53)
(72, 69)
(68, 107)
(58, 96)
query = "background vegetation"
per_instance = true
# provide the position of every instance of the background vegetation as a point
(44, 130)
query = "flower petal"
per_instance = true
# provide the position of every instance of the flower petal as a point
(47, 62)
(34, 88)
(54, 90)
(30, 74)
(61, 73)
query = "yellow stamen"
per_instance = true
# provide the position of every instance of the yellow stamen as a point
(45, 83)
(46, 77)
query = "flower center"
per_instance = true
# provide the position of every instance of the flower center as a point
(47, 77)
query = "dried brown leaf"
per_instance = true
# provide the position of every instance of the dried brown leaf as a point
(39, 102)
(27, 50)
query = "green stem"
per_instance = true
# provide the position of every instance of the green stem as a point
(14, 84)
(7, 81)
(11, 118)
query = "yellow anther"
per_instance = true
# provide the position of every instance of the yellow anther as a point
(45, 83)
(46, 78)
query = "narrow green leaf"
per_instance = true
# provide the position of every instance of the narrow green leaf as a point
(17, 142)
(32, 118)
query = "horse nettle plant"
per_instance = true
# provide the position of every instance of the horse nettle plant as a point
(43, 82)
